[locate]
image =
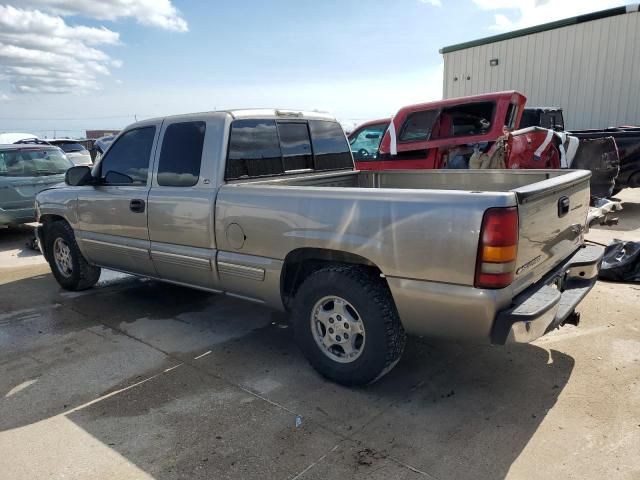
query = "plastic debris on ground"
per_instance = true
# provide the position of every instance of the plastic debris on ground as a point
(621, 262)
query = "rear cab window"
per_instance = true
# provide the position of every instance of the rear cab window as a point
(457, 121)
(417, 126)
(267, 147)
(181, 154)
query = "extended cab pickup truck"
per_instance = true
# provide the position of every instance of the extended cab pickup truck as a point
(266, 205)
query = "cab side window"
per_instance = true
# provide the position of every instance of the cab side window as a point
(127, 161)
(254, 149)
(181, 154)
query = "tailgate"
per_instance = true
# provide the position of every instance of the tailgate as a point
(552, 215)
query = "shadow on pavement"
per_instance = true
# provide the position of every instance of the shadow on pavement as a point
(228, 409)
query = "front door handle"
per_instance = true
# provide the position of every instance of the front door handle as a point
(136, 205)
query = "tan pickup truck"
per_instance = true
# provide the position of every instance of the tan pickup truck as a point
(266, 205)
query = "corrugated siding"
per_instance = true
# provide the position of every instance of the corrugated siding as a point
(591, 70)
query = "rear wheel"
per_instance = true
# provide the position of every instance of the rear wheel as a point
(68, 265)
(347, 326)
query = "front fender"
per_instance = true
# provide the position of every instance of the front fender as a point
(57, 202)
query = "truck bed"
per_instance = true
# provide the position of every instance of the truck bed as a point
(394, 218)
(460, 180)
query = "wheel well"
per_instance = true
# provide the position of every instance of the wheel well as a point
(46, 221)
(301, 263)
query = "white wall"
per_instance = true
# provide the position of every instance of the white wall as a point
(591, 70)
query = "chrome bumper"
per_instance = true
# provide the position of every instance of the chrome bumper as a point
(547, 305)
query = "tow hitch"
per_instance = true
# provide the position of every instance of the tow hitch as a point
(572, 319)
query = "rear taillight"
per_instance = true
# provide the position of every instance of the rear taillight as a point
(498, 248)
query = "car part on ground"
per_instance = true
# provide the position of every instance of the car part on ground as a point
(601, 212)
(621, 262)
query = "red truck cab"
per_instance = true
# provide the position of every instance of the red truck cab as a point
(444, 133)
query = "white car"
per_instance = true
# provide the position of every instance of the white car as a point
(75, 151)
(9, 138)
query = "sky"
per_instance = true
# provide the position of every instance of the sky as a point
(71, 65)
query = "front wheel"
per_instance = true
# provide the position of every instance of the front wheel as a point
(347, 326)
(67, 264)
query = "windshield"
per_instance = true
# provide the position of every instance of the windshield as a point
(71, 147)
(365, 143)
(33, 162)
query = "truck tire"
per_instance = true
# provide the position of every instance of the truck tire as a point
(347, 325)
(68, 265)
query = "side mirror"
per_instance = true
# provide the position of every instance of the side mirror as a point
(78, 176)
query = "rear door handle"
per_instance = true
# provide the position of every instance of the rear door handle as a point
(136, 205)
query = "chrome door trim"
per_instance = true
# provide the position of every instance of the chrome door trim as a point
(112, 247)
(181, 260)
(251, 273)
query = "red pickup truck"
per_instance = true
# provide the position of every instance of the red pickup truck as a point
(478, 131)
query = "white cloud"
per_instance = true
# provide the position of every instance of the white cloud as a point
(4, 97)
(515, 14)
(157, 13)
(435, 3)
(40, 53)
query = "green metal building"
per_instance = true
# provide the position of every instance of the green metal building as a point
(588, 65)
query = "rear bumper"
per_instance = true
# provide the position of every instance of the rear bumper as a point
(546, 305)
(18, 215)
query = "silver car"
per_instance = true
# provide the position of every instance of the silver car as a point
(25, 170)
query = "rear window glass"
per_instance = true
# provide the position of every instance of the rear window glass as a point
(181, 154)
(71, 147)
(254, 149)
(31, 162)
(295, 145)
(260, 148)
(330, 147)
(470, 119)
(417, 126)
